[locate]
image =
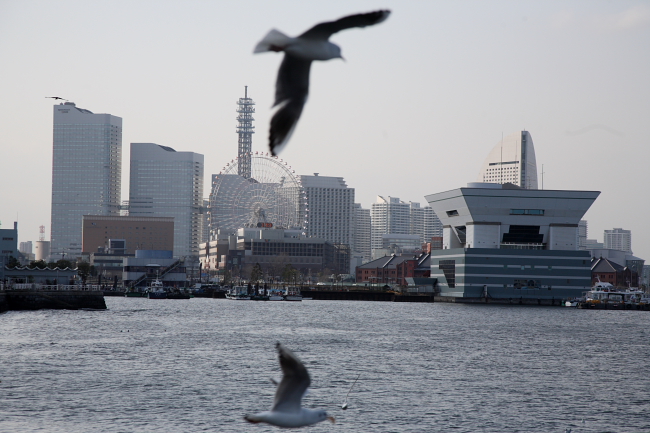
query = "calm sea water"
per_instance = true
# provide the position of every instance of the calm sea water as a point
(201, 364)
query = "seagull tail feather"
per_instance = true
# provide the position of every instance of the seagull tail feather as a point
(273, 41)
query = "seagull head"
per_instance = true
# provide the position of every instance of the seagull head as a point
(322, 416)
(336, 52)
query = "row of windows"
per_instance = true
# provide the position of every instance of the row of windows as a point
(526, 211)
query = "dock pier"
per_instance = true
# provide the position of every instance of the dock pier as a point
(22, 297)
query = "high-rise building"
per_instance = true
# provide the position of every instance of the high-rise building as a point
(86, 173)
(167, 183)
(424, 222)
(388, 215)
(25, 247)
(618, 239)
(361, 233)
(512, 160)
(330, 202)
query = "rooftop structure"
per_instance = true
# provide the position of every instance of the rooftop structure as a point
(485, 215)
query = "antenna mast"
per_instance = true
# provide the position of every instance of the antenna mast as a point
(245, 130)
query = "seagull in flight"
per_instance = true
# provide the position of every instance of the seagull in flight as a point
(57, 97)
(292, 84)
(287, 410)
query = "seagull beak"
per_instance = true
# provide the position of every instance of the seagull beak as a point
(332, 419)
(343, 58)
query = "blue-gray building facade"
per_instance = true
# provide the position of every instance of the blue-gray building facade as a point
(511, 273)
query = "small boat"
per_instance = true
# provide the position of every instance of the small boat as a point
(292, 294)
(275, 295)
(156, 290)
(605, 295)
(238, 293)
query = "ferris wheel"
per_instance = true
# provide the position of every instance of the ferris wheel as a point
(257, 190)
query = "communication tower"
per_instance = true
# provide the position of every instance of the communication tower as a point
(41, 233)
(245, 129)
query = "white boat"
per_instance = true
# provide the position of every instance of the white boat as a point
(606, 294)
(292, 294)
(276, 297)
(238, 293)
(156, 290)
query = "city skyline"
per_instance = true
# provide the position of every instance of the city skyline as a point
(409, 120)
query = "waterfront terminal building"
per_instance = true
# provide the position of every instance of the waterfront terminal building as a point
(503, 241)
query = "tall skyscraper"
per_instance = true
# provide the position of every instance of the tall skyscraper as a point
(424, 222)
(512, 160)
(86, 173)
(389, 215)
(618, 239)
(330, 202)
(361, 232)
(167, 183)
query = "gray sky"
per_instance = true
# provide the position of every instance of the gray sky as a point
(416, 107)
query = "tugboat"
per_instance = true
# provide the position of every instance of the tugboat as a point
(156, 290)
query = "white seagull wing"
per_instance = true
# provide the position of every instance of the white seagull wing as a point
(295, 381)
(291, 90)
(325, 30)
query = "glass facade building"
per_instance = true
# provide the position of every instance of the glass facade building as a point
(86, 173)
(167, 183)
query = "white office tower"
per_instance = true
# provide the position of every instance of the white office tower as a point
(424, 222)
(330, 203)
(512, 160)
(618, 239)
(86, 173)
(167, 183)
(582, 235)
(361, 233)
(388, 215)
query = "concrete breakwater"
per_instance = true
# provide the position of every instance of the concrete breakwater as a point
(25, 299)
(365, 295)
